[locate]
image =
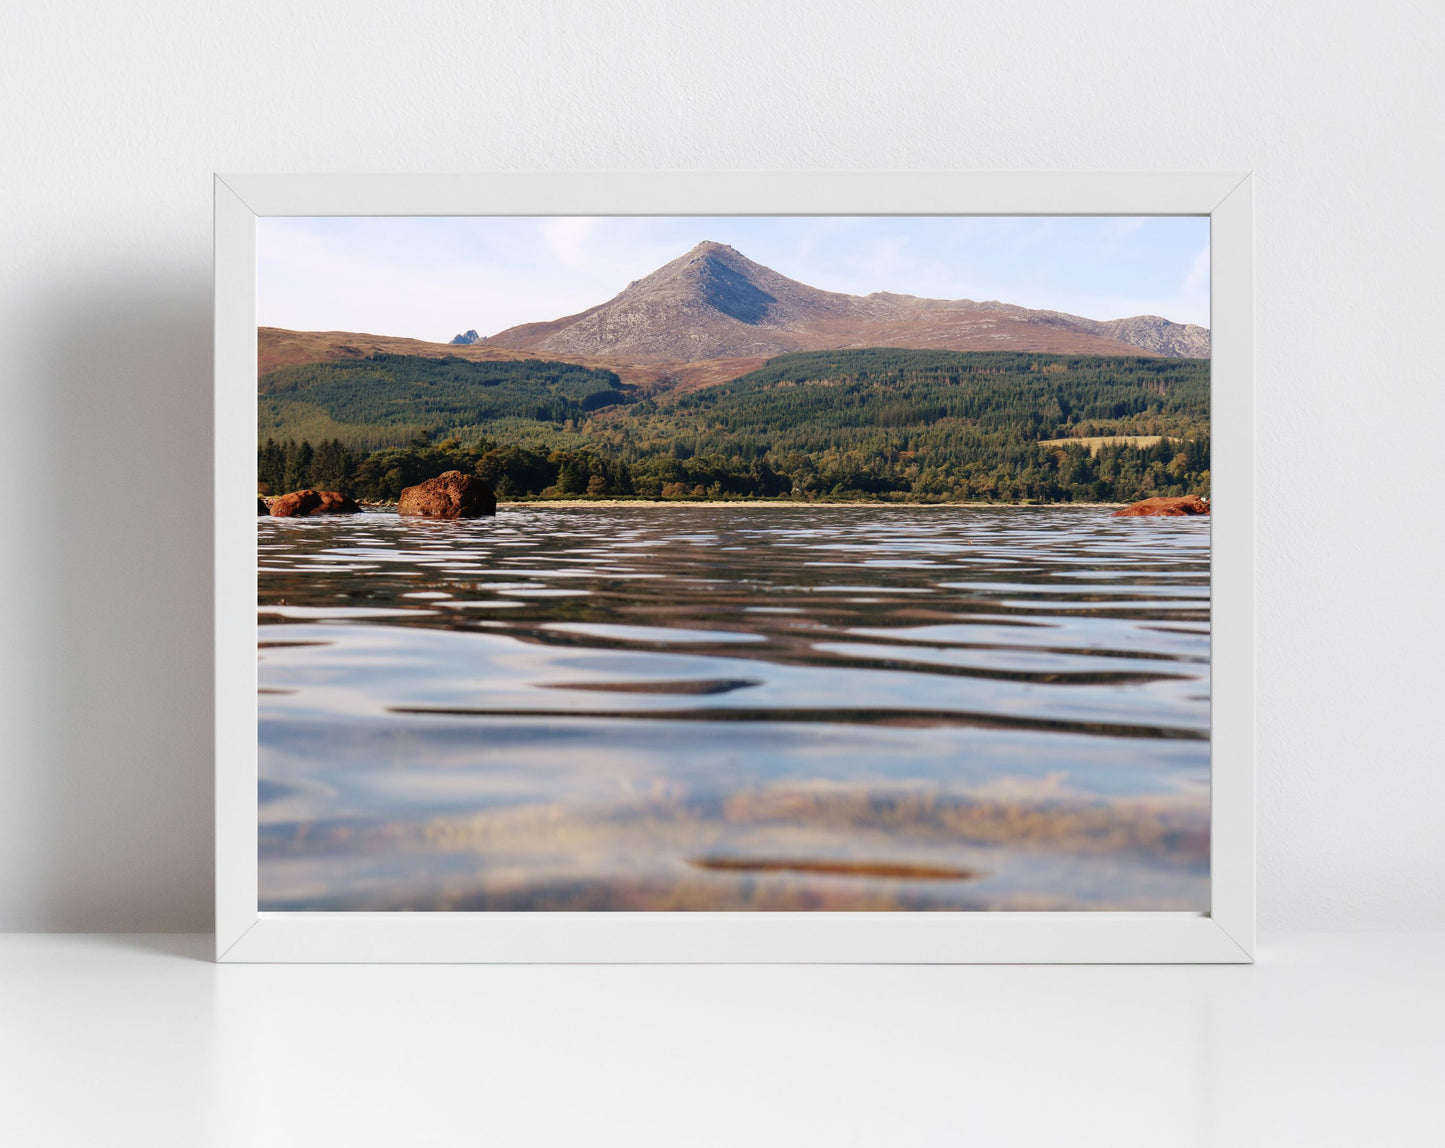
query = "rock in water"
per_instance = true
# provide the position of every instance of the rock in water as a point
(334, 502)
(450, 495)
(303, 503)
(297, 504)
(1162, 507)
(262, 510)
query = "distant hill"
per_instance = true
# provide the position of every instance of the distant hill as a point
(714, 303)
(277, 347)
(466, 339)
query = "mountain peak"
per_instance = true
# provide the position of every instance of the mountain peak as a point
(709, 257)
(712, 302)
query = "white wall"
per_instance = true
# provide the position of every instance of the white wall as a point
(113, 116)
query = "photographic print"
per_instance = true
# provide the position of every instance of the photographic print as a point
(734, 563)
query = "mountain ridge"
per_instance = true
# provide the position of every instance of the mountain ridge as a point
(713, 302)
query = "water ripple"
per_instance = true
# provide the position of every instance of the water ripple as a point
(825, 707)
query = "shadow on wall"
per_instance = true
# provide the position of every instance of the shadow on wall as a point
(126, 796)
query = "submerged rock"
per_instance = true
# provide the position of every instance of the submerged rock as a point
(449, 495)
(302, 503)
(1165, 507)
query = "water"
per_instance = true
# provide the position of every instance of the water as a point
(735, 707)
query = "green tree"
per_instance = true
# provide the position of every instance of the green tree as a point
(298, 466)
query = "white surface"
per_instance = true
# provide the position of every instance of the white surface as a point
(1329, 1040)
(702, 938)
(1226, 934)
(113, 117)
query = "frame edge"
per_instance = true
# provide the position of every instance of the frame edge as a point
(1226, 935)
(235, 568)
(1232, 822)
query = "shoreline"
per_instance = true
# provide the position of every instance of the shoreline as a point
(576, 503)
(579, 502)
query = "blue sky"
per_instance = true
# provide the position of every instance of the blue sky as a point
(432, 277)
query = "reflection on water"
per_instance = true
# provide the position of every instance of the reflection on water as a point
(734, 707)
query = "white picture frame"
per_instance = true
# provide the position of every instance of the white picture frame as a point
(1225, 934)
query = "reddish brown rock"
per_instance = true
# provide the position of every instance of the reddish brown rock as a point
(261, 510)
(295, 505)
(449, 495)
(334, 502)
(302, 503)
(1164, 507)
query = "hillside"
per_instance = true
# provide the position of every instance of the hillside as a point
(277, 347)
(714, 303)
(877, 423)
(909, 400)
(387, 400)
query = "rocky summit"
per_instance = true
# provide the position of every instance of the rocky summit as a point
(715, 303)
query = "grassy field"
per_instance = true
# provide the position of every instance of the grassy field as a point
(1094, 442)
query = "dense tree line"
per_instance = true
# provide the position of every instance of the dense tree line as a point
(1027, 472)
(380, 476)
(885, 424)
(880, 398)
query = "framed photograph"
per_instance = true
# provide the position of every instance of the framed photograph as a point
(827, 567)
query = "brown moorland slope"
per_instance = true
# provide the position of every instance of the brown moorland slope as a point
(277, 347)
